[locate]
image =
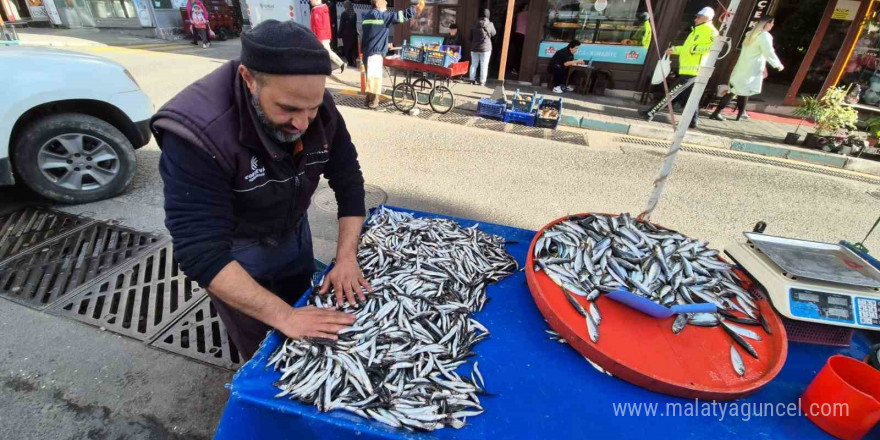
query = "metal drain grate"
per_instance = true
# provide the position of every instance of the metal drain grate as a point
(349, 100)
(199, 334)
(524, 130)
(45, 273)
(568, 137)
(489, 124)
(454, 118)
(28, 227)
(766, 160)
(138, 300)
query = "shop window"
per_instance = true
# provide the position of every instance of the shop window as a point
(612, 30)
(862, 72)
(435, 18)
(162, 4)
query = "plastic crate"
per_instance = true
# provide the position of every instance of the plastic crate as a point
(439, 58)
(491, 108)
(412, 53)
(520, 117)
(525, 103)
(455, 49)
(549, 122)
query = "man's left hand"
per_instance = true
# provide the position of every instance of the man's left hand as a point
(346, 278)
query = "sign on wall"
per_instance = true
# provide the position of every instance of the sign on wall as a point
(845, 10)
(608, 53)
(761, 8)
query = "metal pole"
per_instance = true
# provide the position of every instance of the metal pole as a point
(691, 108)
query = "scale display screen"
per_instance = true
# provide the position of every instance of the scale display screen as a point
(822, 306)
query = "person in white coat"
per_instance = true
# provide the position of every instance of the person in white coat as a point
(750, 70)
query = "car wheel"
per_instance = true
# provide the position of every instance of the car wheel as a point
(223, 34)
(74, 158)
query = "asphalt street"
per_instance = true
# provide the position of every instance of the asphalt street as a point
(60, 379)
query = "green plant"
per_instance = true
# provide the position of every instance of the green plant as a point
(872, 126)
(829, 112)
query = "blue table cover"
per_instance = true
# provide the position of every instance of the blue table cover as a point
(540, 388)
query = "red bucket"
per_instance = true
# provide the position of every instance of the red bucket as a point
(844, 398)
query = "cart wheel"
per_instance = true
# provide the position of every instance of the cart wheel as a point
(403, 96)
(423, 90)
(442, 100)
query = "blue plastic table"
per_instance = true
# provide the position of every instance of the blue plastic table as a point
(541, 388)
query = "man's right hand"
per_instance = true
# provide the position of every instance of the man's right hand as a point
(312, 322)
(669, 51)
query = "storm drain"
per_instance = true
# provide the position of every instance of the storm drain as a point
(766, 160)
(28, 227)
(325, 199)
(349, 100)
(48, 272)
(454, 118)
(524, 130)
(199, 334)
(137, 300)
(568, 137)
(489, 124)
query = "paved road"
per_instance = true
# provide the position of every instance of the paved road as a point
(63, 380)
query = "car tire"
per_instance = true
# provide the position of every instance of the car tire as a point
(39, 155)
(223, 34)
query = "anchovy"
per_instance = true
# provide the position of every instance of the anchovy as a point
(397, 363)
(737, 361)
(679, 323)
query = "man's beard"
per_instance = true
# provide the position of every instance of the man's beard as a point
(275, 132)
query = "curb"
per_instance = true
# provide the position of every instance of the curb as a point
(52, 44)
(696, 138)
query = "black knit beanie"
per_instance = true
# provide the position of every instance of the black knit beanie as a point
(284, 48)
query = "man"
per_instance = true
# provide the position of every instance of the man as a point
(454, 38)
(690, 58)
(517, 43)
(320, 24)
(559, 64)
(242, 152)
(375, 28)
(643, 35)
(349, 32)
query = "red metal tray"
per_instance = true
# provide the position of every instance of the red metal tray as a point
(644, 351)
(455, 69)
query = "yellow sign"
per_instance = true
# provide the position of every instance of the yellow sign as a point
(845, 10)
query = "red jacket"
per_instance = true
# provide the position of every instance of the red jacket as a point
(321, 22)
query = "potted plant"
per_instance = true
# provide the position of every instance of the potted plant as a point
(810, 108)
(830, 113)
(872, 126)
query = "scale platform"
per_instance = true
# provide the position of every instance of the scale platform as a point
(812, 281)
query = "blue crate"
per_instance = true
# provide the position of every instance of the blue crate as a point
(439, 58)
(549, 122)
(491, 108)
(520, 117)
(412, 53)
(522, 104)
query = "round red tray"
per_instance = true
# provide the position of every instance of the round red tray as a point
(643, 350)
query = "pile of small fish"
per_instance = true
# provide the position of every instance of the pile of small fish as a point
(397, 363)
(595, 254)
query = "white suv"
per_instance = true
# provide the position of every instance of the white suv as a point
(69, 123)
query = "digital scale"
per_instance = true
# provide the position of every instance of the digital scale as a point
(812, 281)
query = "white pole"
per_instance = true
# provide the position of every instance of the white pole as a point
(692, 106)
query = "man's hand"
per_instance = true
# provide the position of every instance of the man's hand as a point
(420, 6)
(312, 322)
(390, 46)
(346, 278)
(669, 51)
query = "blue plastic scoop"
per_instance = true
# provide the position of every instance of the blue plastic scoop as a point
(651, 308)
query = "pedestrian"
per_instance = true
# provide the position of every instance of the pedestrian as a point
(517, 43)
(454, 38)
(200, 26)
(481, 47)
(642, 36)
(349, 32)
(559, 64)
(690, 58)
(375, 29)
(751, 68)
(243, 150)
(321, 27)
